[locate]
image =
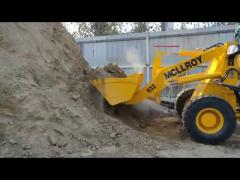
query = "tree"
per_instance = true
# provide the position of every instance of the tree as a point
(157, 26)
(89, 29)
(140, 27)
(78, 29)
(105, 28)
(184, 25)
(163, 26)
(149, 26)
(84, 29)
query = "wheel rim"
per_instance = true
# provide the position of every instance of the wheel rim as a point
(209, 120)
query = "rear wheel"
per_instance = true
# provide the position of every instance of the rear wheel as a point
(182, 99)
(209, 120)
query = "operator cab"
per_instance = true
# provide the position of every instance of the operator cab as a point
(232, 51)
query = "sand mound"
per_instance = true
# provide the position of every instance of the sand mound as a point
(40, 65)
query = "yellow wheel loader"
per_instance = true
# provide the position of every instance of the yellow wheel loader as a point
(209, 112)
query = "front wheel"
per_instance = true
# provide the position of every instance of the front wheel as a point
(209, 120)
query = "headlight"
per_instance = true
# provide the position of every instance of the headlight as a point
(232, 49)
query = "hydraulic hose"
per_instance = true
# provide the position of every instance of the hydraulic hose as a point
(227, 73)
(218, 45)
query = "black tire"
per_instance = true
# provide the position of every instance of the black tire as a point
(182, 99)
(189, 119)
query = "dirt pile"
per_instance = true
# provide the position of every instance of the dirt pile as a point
(110, 70)
(40, 64)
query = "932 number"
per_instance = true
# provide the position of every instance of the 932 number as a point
(151, 88)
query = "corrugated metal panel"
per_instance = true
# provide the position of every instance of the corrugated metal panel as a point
(87, 53)
(126, 53)
(223, 37)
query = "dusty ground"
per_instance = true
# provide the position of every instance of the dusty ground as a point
(172, 139)
(48, 107)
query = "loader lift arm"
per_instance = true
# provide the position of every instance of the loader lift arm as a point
(169, 75)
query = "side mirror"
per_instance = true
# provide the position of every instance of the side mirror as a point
(232, 50)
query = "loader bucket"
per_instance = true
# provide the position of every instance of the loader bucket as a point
(118, 90)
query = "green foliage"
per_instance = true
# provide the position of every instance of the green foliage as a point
(148, 26)
(140, 27)
(89, 29)
(105, 28)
